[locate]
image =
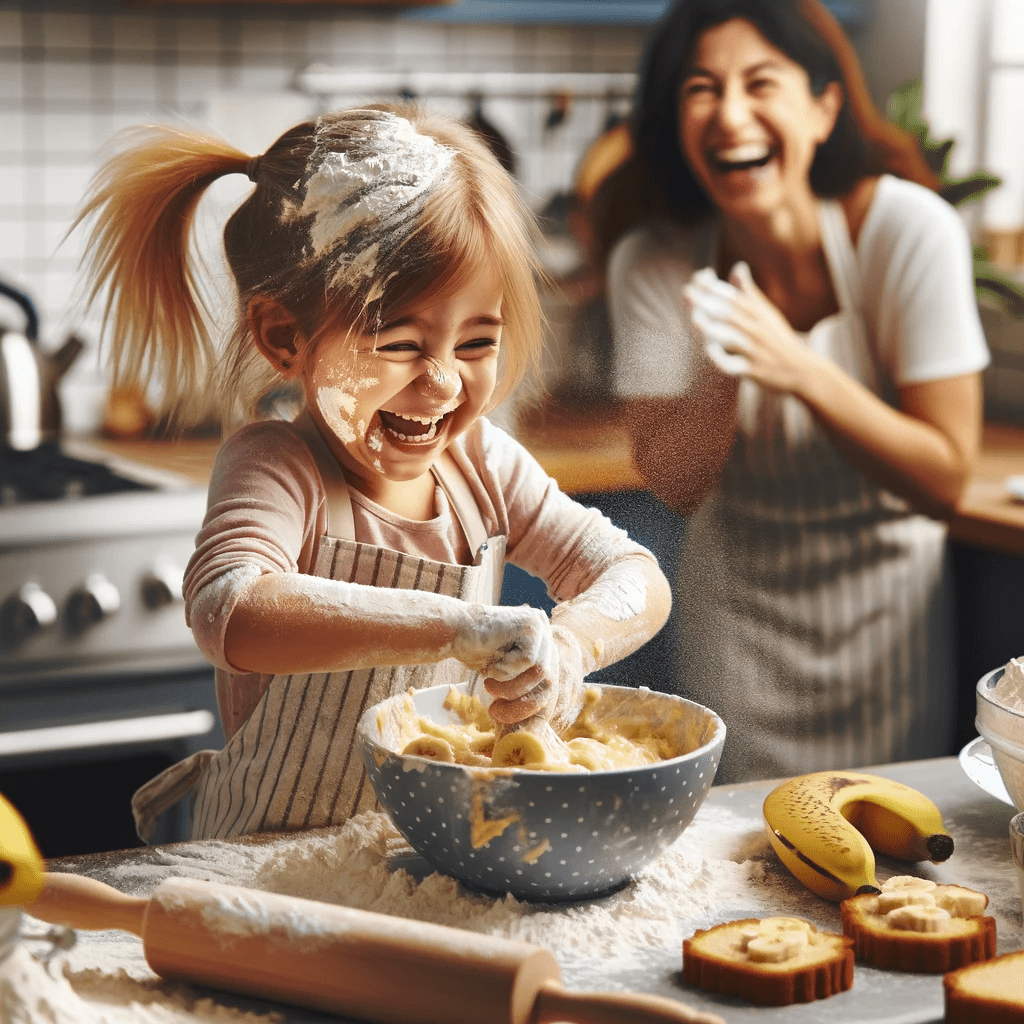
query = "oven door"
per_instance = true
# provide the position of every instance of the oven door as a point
(73, 751)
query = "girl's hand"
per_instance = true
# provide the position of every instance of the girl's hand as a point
(515, 651)
(746, 333)
(530, 668)
(553, 696)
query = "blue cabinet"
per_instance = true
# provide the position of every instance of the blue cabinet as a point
(590, 12)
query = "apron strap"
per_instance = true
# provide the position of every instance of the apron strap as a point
(340, 521)
(463, 505)
(839, 254)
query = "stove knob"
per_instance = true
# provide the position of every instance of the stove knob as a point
(161, 586)
(95, 600)
(25, 613)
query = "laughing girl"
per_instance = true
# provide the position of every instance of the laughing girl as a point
(384, 266)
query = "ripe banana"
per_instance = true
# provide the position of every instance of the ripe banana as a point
(826, 826)
(21, 864)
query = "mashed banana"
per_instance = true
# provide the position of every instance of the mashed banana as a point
(602, 738)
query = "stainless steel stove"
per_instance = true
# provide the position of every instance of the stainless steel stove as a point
(101, 683)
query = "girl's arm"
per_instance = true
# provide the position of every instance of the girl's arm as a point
(254, 606)
(611, 596)
(292, 622)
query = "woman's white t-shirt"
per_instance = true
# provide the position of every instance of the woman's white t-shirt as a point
(913, 256)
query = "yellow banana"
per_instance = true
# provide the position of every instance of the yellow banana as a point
(21, 865)
(826, 826)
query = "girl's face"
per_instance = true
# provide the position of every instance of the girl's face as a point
(749, 125)
(395, 399)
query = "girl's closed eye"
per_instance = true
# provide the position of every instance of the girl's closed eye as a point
(477, 348)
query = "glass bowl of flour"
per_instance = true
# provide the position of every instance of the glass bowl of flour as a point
(542, 835)
(1000, 721)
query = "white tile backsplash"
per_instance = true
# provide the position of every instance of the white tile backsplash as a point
(71, 75)
(12, 189)
(68, 81)
(12, 87)
(12, 242)
(12, 140)
(60, 135)
(60, 28)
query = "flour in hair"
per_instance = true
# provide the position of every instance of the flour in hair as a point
(380, 186)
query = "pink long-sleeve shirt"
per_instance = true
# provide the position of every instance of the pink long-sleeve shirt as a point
(267, 511)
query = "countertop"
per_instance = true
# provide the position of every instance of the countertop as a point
(725, 840)
(588, 451)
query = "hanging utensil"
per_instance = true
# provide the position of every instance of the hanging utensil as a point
(497, 142)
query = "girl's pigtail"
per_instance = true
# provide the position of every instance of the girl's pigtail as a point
(142, 204)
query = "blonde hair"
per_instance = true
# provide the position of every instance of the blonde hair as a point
(441, 226)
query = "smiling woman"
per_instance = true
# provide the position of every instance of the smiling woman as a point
(798, 353)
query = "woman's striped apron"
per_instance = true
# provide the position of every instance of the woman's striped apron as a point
(815, 609)
(295, 763)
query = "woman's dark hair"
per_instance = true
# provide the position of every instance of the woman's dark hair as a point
(862, 143)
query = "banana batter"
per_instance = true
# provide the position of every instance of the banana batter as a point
(603, 737)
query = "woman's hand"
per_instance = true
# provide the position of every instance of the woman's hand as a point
(746, 334)
(922, 451)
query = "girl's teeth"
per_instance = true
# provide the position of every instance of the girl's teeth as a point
(431, 433)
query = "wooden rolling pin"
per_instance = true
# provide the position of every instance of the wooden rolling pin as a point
(351, 962)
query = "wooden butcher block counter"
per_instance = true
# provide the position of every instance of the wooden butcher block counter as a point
(720, 869)
(587, 451)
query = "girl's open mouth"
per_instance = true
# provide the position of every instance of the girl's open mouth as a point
(412, 428)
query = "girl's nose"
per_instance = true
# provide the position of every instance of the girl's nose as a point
(438, 381)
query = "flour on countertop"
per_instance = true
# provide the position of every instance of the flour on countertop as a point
(34, 992)
(355, 866)
(719, 869)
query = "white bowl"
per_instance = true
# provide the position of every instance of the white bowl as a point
(1003, 730)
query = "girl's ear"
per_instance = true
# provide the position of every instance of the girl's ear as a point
(277, 334)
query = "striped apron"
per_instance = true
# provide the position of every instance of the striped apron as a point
(295, 763)
(815, 607)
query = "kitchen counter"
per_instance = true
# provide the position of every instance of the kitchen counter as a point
(726, 840)
(588, 452)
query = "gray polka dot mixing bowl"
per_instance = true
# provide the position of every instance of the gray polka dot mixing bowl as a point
(543, 835)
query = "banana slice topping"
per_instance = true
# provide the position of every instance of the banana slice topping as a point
(962, 902)
(902, 883)
(774, 940)
(888, 901)
(918, 918)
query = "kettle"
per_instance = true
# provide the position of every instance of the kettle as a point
(30, 411)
